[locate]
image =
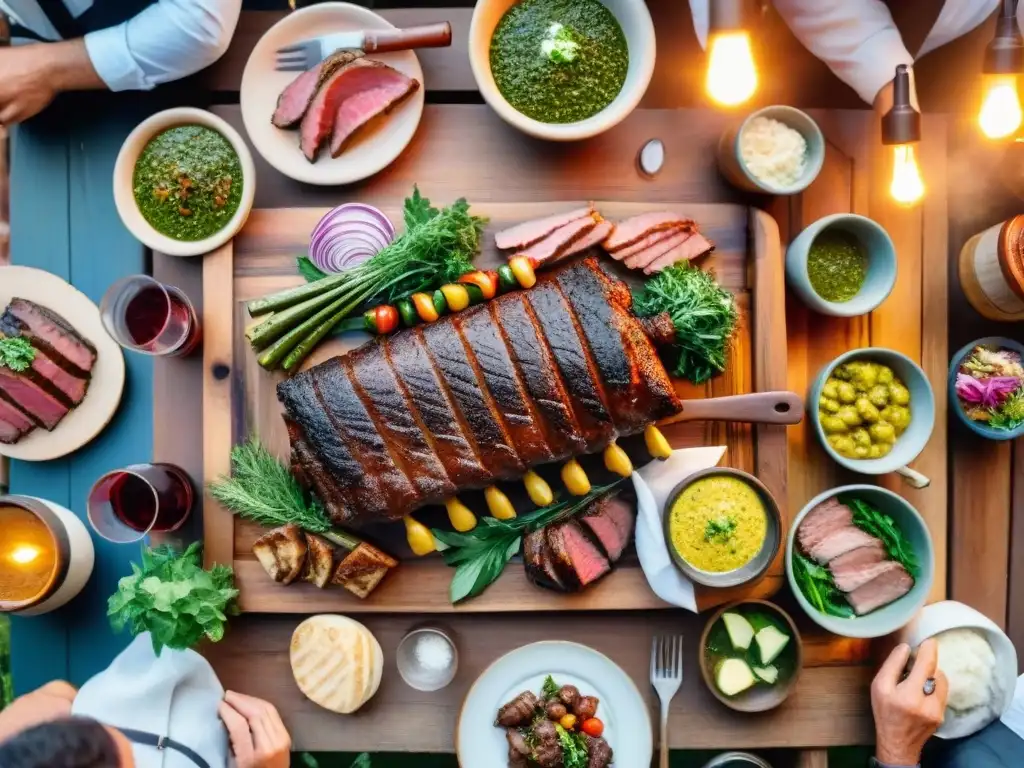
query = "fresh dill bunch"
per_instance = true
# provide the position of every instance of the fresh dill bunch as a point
(704, 315)
(1010, 414)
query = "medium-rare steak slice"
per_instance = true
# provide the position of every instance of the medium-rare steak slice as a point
(829, 516)
(578, 560)
(15, 423)
(32, 400)
(539, 563)
(69, 387)
(348, 80)
(849, 580)
(647, 241)
(487, 348)
(530, 232)
(695, 246)
(395, 419)
(611, 520)
(885, 588)
(334, 388)
(593, 238)
(839, 542)
(296, 98)
(558, 242)
(632, 229)
(652, 253)
(408, 356)
(358, 110)
(49, 331)
(556, 321)
(539, 373)
(452, 364)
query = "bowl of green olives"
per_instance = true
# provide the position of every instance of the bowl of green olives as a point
(873, 410)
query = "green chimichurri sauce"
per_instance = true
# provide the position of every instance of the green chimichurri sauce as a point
(188, 182)
(837, 265)
(559, 61)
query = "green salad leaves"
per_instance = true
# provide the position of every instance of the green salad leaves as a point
(574, 748)
(881, 526)
(174, 599)
(819, 588)
(16, 353)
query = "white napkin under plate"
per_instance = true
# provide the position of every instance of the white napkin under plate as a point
(653, 483)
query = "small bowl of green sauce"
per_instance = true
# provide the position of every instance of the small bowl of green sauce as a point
(184, 182)
(842, 265)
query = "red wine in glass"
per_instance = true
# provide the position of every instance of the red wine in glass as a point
(129, 503)
(145, 315)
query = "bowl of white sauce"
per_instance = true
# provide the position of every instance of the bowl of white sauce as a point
(776, 150)
(978, 659)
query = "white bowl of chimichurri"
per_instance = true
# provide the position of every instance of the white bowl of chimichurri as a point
(562, 70)
(184, 182)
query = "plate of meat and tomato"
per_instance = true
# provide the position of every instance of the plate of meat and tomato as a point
(508, 720)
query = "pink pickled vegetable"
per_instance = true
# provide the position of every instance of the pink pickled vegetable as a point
(989, 392)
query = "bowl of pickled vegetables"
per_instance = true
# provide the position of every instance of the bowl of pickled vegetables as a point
(873, 410)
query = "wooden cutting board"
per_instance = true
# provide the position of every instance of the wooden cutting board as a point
(239, 399)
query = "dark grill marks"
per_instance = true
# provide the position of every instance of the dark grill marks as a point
(539, 374)
(460, 379)
(454, 445)
(350, 418)
(559, 327)
(491, 355)
(394, 417)
(310, 470)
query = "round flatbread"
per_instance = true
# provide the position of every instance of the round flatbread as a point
(337, 662)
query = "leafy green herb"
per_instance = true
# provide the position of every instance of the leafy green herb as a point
(720, 528)
(1010, 414)
(703, 313)
(479, 556)
(550, 688)
(16, 353)
(417, 210)
(881, 526)
(309, 271)
(575, 753)
(820, 588)
(263, 490)
(174, 599)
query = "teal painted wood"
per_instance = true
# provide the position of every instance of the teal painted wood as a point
(63, 219)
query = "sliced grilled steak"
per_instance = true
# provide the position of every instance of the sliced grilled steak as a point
(559, 327)
(851, 580)
(488, 349)
(36, 403)
(539, 563)
(358, 110)
(547, 750)
(519, 711)
(52, 332)
(611, 520)
(631, 230)
(552, 247)
(695, 246)
(647, 241)
(839, 542)
(530, 232)
(593, 238)
(454, 447)
(13, 423)
(857, 561)
(311, 472)
(71, 388)
(396, 420)
(348, 80)
(885, 588)
(454, 368)
(578, 561)
(641, 259)
(824, 519)
(539, 373)
(296, 98)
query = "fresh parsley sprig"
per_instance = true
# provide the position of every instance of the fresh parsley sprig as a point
(16, 353)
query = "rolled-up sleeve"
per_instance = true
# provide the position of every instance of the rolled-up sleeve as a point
(857, 39)
(167, 41)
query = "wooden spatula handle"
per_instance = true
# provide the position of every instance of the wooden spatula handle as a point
(756, 408)
(428, 36)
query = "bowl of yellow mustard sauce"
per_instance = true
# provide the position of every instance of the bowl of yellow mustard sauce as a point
(723, 527)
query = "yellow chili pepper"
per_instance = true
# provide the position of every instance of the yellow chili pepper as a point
(523, 270)
(421, 540)
(456, 295)
(460, 516)
(499, 504)
(575, 479)
(537, 489)
(424, 304)
(616, 460)
(656, 443)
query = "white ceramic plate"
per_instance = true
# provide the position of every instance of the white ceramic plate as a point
(627, 725)
(373, 148)
(86, 421)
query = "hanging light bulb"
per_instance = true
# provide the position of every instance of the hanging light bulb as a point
(1000, 114)
(901, 130)
(732, 75)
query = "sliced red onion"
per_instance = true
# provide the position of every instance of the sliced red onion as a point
(349, 235)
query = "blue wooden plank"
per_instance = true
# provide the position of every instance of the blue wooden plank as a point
(40, 237)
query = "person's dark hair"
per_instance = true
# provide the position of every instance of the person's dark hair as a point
(73, 742)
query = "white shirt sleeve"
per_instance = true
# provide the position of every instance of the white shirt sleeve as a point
(857, 39)
(167, 41)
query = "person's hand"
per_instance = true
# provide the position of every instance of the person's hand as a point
(28, 84)
(258, 737)
(51, 702)
(905, 717)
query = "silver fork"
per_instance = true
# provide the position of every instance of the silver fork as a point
(666, 677)
(306, 54)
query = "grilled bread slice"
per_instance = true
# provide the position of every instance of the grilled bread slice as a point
(337, 662)
(363, 569)
(282, 552)
(319, 561)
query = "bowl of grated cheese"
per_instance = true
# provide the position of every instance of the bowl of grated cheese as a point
(777, 150)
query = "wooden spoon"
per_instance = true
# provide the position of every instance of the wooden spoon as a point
(755, 408)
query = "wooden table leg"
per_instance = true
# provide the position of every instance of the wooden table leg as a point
(812, 758)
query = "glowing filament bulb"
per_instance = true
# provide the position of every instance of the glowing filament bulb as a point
(1000, 114)
(24, 554)
(732, 76)
(907, 187)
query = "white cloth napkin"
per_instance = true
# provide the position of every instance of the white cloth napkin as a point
(653, 483)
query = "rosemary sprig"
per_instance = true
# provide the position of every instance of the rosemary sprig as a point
(479, 556)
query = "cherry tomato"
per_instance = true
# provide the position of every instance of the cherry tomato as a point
(386, 318)
(592, 727)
